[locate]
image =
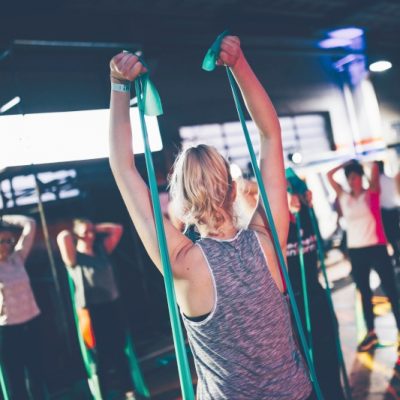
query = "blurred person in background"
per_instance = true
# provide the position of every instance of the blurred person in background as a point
(85, 251)
(366, 241)
(390, 202)
(20, 329)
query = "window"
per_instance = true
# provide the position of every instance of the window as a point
(308, 134)
(65, 136)
(20, 190)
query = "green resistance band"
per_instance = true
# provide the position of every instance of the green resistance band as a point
(304, 285)
(298, 186)
(136, 373)
(88, 361)
(149, 103)
(214, 55)
(3, 383)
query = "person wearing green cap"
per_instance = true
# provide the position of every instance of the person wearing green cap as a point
(228, 284)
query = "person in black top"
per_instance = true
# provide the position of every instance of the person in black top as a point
(324, 326)
(85, 251)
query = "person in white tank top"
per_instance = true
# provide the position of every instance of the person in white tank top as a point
(366, 241)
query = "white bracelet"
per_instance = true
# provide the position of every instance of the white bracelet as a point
(121, 87)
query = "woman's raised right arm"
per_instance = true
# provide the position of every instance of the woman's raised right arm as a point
(126, 67)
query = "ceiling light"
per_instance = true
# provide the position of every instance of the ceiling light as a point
(13, 102)
(380, 66)
(295, 158)
(332, 43)
(346, 33)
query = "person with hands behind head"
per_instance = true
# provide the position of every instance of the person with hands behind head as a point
(324, 326)
(228, 284)
(20, 331)
(85, 251)
(366, 241)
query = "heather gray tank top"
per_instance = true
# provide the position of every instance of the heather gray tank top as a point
(245, 350)
(93, 279)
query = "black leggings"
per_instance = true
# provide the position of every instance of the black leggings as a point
(110, 342)
(324, 328)
(20, 349)
(390, 219)
(377, 257)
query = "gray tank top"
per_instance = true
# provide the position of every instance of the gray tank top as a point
(245, 350)
(93, 279)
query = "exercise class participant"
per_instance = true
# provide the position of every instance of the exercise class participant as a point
(228, 284)
(390, 203)
(324, 326)
(366, 241)
(85, 251)
(20, 330)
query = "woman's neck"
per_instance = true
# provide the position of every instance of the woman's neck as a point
(357, 192)
(227, 230)
(85, 248)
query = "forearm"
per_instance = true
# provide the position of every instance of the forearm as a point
(333, 171)
(120, 136)
(19, 220)
(257, 100)
(28, 225)
(112, 232)
(106, 227)
(374, 182)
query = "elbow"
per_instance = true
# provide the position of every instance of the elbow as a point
(120, 168)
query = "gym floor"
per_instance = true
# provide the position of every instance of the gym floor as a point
(372, 375)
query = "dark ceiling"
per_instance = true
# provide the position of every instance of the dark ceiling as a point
(168, 31)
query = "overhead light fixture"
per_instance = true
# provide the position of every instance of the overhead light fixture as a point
(332, 43)
(380, 66)
(350, 37)
(349, 33)
(10, 104)
(295, 158)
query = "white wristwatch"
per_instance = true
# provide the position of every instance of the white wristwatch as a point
(121, 87)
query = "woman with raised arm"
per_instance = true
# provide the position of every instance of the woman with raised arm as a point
(85, 251)
(228, 284)
(366, 241)
(20, 348)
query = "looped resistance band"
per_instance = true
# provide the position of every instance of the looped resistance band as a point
(3, 384)
(304, 285)
(88, 361)
(149, 103)
(271, 223)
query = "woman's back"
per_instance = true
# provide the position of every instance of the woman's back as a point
(244, 349)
